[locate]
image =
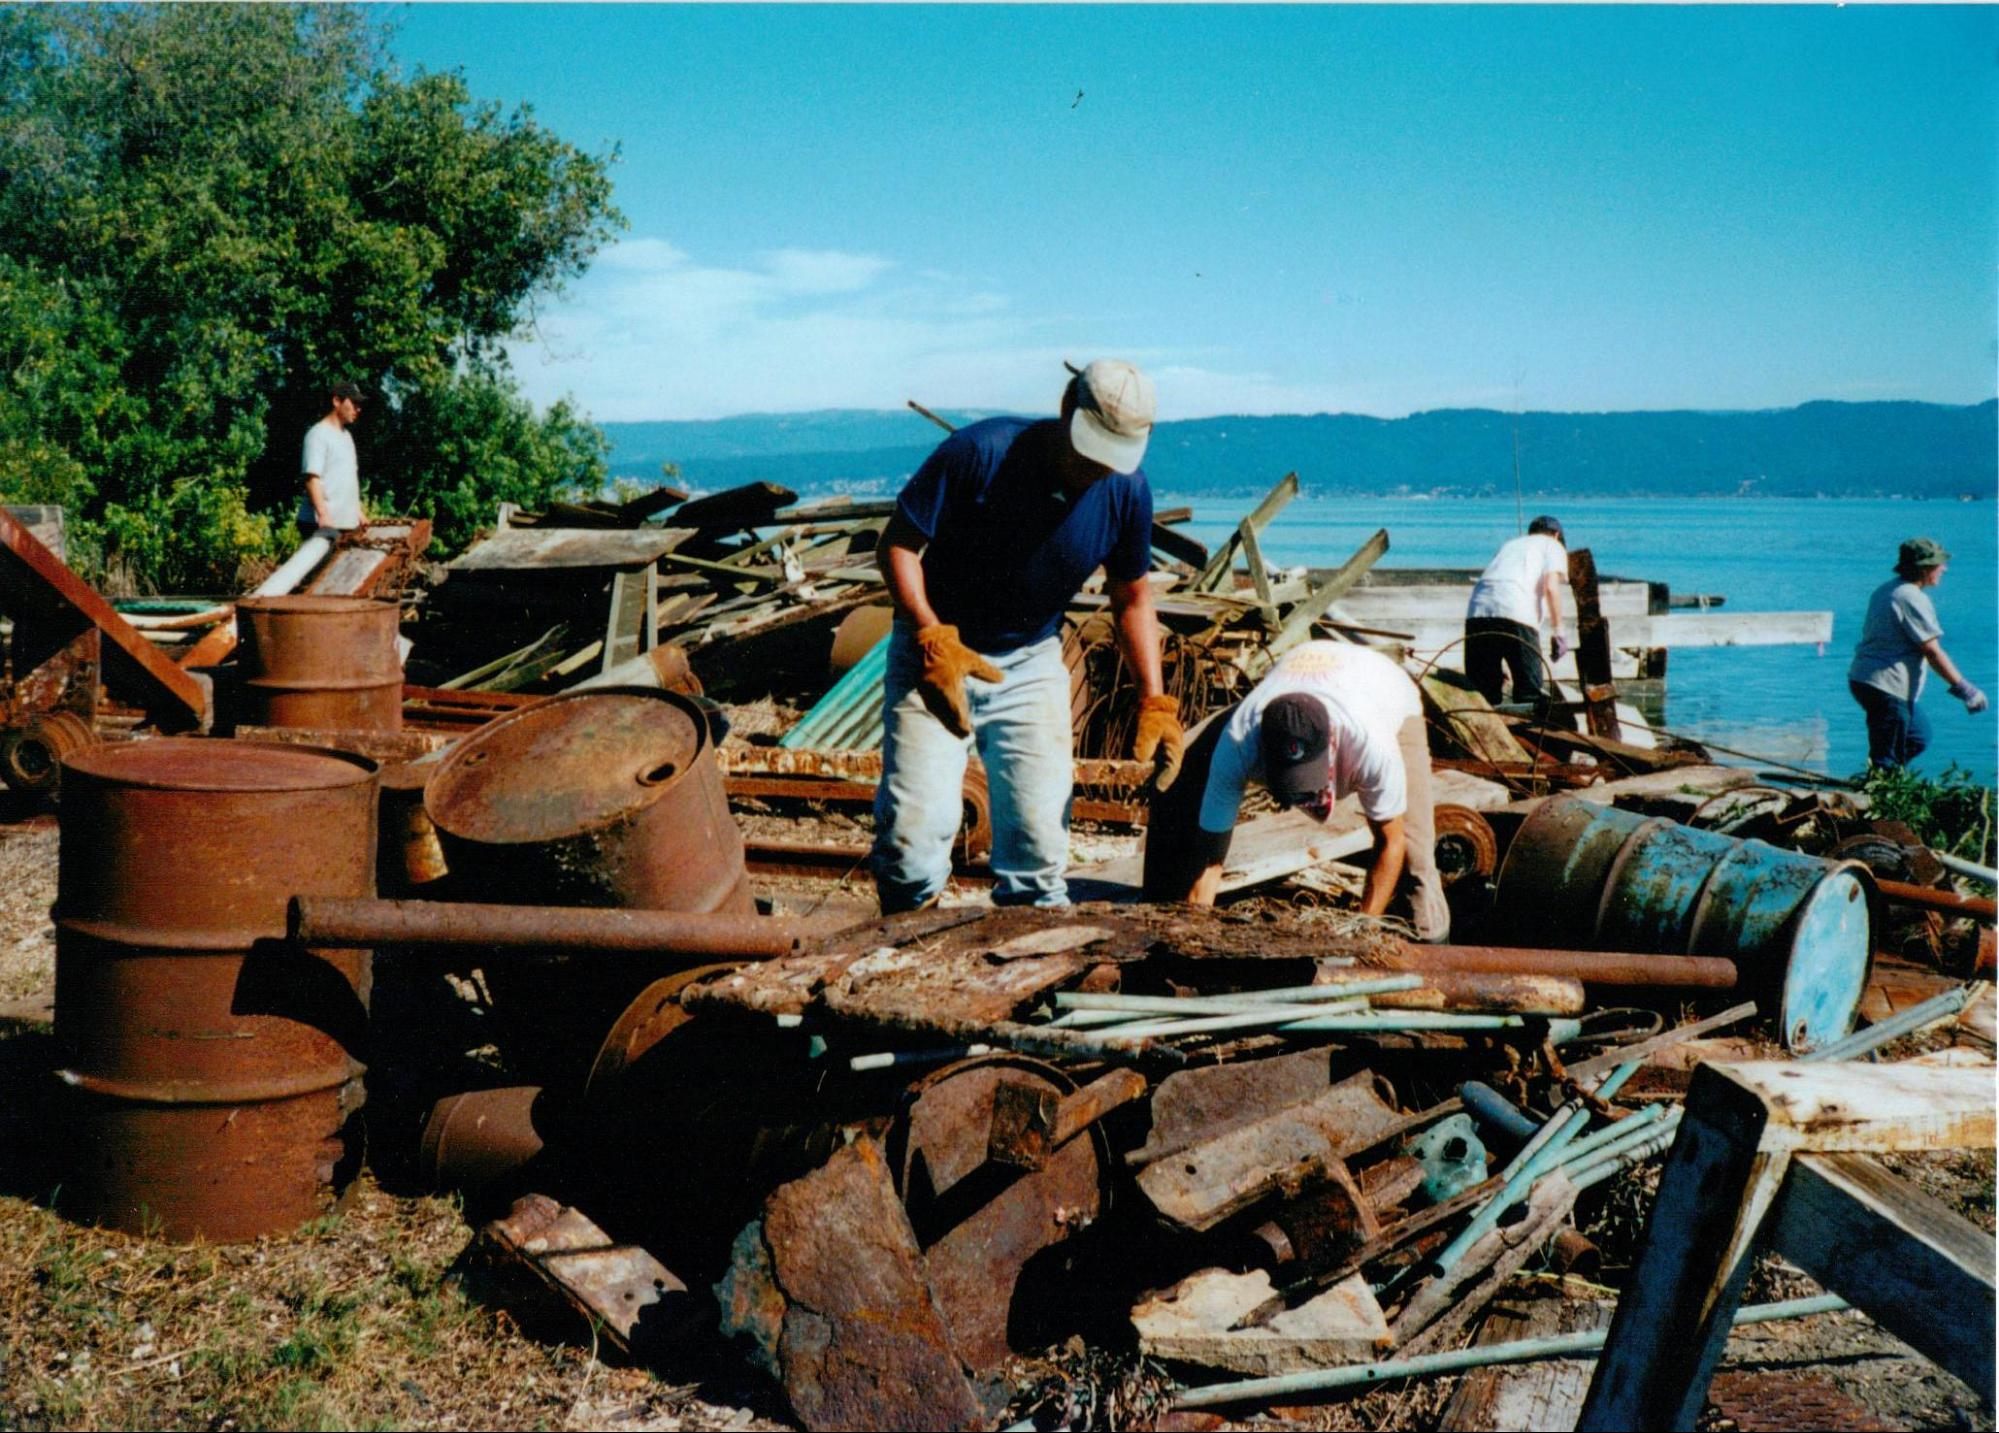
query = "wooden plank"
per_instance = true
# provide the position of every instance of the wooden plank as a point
(1921, 1270)
(1216, 575)
(1263, 849)
(1427, 603)
(1593, 648)
(1540, 1397)
(1844, 1106)
(1299, 620)
(1471, 719)
(52, 607)
(519, 549)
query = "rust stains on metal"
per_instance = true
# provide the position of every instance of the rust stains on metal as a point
(1465, 844)
(1030, 1121)
(610, 798)
(475, 1138)
(321, 662)
(1930, 898)
(367, 923)
(828, 1286)
(31, 758)
(214, 1065)
(1592, 967)
(979, 1223)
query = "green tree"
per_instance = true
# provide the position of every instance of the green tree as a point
(209, 214)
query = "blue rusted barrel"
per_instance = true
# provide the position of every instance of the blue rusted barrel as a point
(1593, 877)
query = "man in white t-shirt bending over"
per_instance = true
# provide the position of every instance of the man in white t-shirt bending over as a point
(332, 474)
(1331, 718)
(1503, 620)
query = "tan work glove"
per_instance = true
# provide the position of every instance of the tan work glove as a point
(946, 664)
(1159, 731)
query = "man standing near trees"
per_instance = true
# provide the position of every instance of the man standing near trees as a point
(332, 473)
(990, 540)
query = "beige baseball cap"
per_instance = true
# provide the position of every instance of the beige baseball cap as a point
(1114, 410)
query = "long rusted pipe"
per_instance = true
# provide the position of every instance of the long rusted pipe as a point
(1930, 898)
(1592, 967)
(371, 924)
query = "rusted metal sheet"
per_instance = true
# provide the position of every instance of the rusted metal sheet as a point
(1030, 1122)
(828, 1286)
(66, 681)
(618, 1292)
(321, 662)
(908, 987)
(215, 1066)
(368, 923)
(1190, 1106)
(1323, 1225)
(31, 758)
(1206, 1183)
(52, 607)
(376, 562)
(1759, 1401)
(476, 1138)
(980, 1223)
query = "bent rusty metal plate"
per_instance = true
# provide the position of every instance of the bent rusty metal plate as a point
(980, 1222)
(829, 1287)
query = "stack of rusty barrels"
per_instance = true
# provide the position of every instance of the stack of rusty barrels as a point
(213, 1071)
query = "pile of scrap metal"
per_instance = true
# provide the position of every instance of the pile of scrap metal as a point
(889, 1156)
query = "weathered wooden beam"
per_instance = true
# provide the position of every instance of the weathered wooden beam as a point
(1593, 648)
(1921, 1270)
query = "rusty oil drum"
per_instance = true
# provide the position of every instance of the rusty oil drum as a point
(321, 663)
(603, 798)
(610, 797)
(213, 1070)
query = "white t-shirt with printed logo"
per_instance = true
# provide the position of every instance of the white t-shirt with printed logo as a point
(1367, 697)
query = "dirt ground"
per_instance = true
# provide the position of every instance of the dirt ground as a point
(372, 1316)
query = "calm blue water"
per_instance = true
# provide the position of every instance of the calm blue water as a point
(1788, 704)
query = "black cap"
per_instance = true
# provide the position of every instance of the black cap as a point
(346, 390)
(1549, 525)
(1296, 738)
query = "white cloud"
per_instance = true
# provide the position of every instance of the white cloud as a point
(652, 332)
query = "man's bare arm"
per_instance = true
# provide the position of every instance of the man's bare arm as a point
(1391, 847)
(901, 561)
(1137, 622)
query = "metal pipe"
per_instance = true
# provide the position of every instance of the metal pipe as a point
(1524, 1350)
(1530, 1164)
(1231, 1004)
(1616, 1138)
(1937, 1007)
(1607, 967)
(354, 922)
(1967, 868)
(1601, 1165)
(1393, 1021)
(1251, 1019)
(1497, 1114)
(1930, 898)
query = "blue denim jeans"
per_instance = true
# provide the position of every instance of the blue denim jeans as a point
(1021, 726)
(1897, 730)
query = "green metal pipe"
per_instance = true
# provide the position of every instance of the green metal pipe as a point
(1478, 1356)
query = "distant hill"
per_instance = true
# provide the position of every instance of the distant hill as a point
(1822, 448)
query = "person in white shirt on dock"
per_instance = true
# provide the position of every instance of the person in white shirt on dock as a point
(332, 497)
(1503, 620)
(1330, 719)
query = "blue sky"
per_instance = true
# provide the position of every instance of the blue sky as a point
(1285, 208)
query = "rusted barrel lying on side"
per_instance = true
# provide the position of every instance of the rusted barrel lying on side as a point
(1798, 928)
(480, 1137)
(323, 663)
(604, 798)
(31, 758)
(213, 1066)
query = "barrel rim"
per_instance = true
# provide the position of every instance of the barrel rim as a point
(437, 792)
(100, 763)
(301, 602)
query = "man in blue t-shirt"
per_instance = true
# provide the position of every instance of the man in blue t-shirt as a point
(991, 539)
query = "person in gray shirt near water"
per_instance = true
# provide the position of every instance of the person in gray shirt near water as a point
(1900, 634)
